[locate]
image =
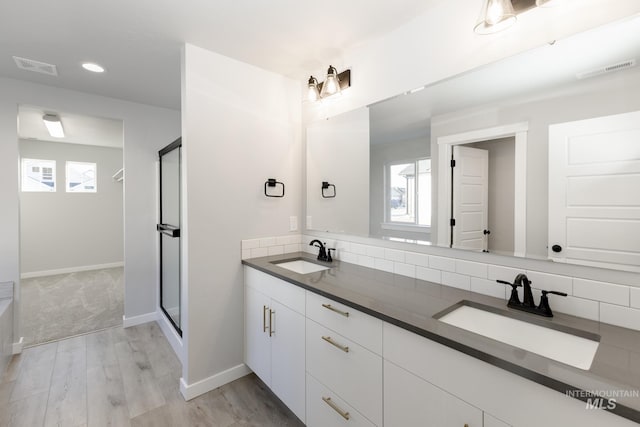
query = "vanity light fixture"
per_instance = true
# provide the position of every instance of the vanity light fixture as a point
(335, 83)
(54, 125)
(495, 15)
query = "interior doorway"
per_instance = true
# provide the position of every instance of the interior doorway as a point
(509, 145)
(71, 223)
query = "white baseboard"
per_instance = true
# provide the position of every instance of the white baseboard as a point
(190, 391)
(172, 336)
(70, 270)
(127, 322)
(17, 346)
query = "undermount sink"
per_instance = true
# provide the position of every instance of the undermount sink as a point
(301, 266)
(567, 345)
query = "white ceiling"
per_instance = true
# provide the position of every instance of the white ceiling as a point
(139, 42)
(78, 129)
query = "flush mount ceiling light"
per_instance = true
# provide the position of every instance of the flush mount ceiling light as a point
(335, 83)
(54, 125)
(93, 67)
(495, 15)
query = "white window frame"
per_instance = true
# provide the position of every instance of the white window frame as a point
(23, 175)
(401, 225)
(68, 175)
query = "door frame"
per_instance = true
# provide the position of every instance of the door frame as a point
(445, 149)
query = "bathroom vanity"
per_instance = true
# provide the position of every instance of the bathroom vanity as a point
(350, 345)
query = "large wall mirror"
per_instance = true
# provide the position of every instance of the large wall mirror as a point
(537, 156)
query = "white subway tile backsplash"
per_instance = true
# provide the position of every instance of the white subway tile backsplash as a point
(403, 269)
(635, 297)
(383, 264)
(258, 252)
(394, 255)
(293, 247)
(620, 316)
(574, 306)
(366, 261)
(251, 243)
(288, 240)
(456, 280)
(265, 242)
(601, 291)
(550, 282)
(275, 250)
(498, 272)
(342, 246)
(469, 268)
(359, 249)
(375, 251)
(488, 287)
(246, 253)
(429, 274)
(417, 259)
(442, 263)
(348, 257)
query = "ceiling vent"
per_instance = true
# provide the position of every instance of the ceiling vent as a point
(35, 66)
(623, 65)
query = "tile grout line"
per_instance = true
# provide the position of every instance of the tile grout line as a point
(46, 410)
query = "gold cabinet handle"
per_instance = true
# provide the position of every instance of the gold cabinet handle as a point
(271, 330)
(333, 406)
(264, 318)
(335, 310)
(335, 344)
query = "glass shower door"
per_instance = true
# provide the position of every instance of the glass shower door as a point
(169, 231)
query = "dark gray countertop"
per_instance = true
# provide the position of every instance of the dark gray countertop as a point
(412, 303)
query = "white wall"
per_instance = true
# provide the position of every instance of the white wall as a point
(146, 129)
(241, 125)
(338, 152)
(61, 230)
(441, 43)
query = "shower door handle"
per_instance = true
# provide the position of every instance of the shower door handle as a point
(168, 230)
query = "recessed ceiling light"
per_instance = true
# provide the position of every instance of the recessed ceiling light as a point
(93, 67)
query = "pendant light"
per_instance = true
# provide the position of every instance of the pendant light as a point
(495, 15)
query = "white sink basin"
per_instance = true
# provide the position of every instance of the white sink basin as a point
(561, 346)
(301, 266)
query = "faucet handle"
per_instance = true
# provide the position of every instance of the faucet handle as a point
(544, 307)
(329, 258)
(513, 300)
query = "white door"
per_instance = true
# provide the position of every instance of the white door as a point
(594, 191)
(257, 346)
(470, 198)
(287, 357)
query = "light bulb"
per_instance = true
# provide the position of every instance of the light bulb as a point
(332, 84)
(312, 89)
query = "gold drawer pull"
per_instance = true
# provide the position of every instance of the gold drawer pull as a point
(342, 413)
(330, 307)
(335, 344)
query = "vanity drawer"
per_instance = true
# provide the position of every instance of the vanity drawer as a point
(347, 368)
(325, 408)
(286, 293)
(359, 327)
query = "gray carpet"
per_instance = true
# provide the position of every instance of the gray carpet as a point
(64, 305)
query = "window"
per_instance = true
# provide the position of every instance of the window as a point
(408, 193)
(81, 177)
(38, 175)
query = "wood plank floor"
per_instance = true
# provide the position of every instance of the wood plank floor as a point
(124, 377)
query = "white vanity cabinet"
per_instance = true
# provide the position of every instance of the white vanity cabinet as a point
(275, 336)
(344, 355)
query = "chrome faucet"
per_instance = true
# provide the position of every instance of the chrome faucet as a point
(528, 304)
